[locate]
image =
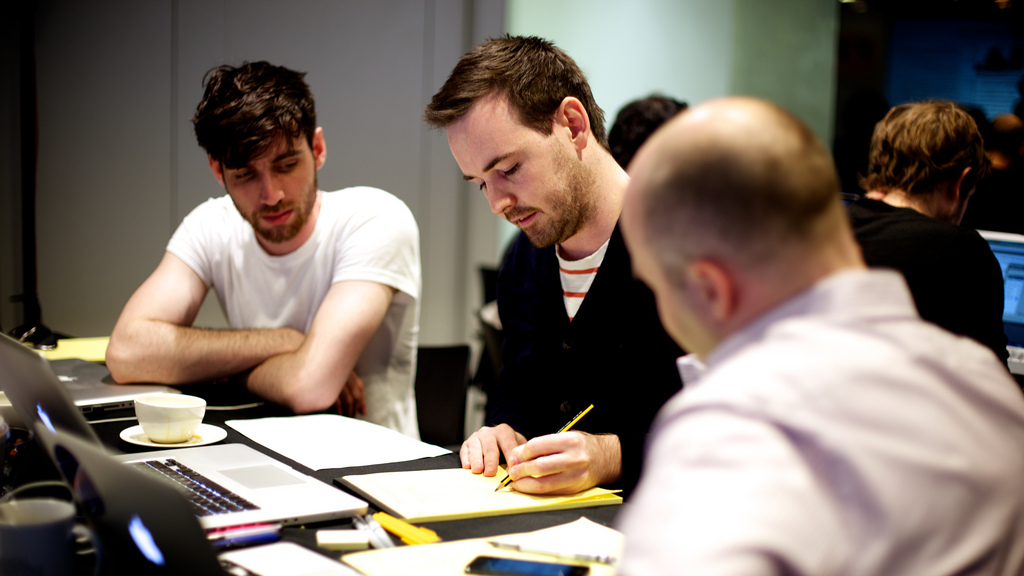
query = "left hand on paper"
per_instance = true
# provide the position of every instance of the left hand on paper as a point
(565, 463)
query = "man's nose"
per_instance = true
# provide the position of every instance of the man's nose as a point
(271, 191)
(499, 199)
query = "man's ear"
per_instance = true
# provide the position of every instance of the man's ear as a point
(958, 189)
(319, 147)
(217, 169)
(572, 116)
(715, 290)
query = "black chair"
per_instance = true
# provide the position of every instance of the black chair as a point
(442, 375)
(489, 365)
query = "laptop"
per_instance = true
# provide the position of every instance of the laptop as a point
(140, 525)
(143, 526)
(242, 485)
(89, 384)
(1009, 251)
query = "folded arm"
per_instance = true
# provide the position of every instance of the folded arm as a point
(153, 340)
(311, 377)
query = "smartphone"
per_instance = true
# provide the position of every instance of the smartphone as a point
(509, 567)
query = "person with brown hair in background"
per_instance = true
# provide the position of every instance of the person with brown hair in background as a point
(924, 163)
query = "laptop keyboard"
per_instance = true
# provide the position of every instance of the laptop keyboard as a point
(206, 496)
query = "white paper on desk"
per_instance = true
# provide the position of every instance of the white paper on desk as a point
(584, 537)
(286, 559)
(320, 441)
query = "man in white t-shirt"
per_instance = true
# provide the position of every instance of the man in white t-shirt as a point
(321, 289)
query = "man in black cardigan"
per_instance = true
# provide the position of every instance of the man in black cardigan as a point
(924, 162)
(522, 123)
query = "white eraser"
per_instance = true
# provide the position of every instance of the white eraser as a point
(343, 539)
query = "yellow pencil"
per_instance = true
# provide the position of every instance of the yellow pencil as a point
(406, 532)
(565, 428)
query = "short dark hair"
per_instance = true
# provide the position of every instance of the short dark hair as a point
(245, 110)
(636, 121)
(532, 74)
(918, 146)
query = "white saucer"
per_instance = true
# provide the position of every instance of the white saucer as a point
(207, 434)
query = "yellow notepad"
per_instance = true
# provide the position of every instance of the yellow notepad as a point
(91, 349)
(448, 558)
(455, 493)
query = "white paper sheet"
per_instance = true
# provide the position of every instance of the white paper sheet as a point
(286, 559)
(321, 441)
(582, 537)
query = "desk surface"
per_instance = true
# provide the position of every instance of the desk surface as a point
(109, 425)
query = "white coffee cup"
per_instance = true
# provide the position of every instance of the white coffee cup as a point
(36, 536)
(169, 418)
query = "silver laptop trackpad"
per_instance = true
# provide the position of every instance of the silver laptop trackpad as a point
(264, 476)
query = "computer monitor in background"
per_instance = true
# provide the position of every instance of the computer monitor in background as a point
(1009, 251)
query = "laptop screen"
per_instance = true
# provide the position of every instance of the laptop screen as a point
(141, 525)
(1009, 251)
(36, 394)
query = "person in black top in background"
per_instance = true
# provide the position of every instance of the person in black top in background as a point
(925, 160)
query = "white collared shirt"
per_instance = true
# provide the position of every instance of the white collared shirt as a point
(837, 434)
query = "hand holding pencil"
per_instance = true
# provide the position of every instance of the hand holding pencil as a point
(566, 428)
(562, 463)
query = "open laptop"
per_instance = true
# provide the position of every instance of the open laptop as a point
(143, 526)
(256, 487)
(140, 525)
(1009, 251)
(89, 384)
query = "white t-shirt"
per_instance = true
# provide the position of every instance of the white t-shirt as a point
(361, 233)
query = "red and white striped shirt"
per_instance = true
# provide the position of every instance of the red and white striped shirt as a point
(577, 276)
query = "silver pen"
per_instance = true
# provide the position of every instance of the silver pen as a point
(379, 538)
(598, 558)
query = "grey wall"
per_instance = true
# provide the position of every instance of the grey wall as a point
(695, 50)
(118, 167)
(119, 80)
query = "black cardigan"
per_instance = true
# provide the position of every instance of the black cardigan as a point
(614, 354)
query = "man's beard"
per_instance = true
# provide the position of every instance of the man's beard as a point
(284, 233)
(571, 207)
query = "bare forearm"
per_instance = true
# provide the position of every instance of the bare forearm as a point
(154, 351)
(310, 378)
(606, 466)
(300, 382)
